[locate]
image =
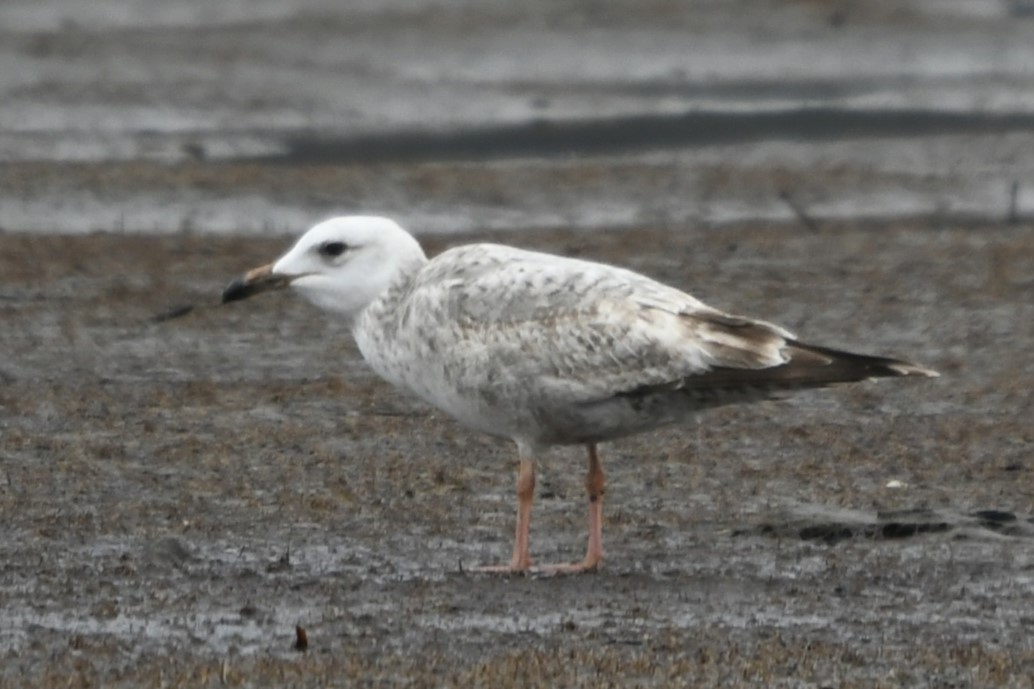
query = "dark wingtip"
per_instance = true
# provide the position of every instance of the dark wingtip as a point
(843, 366)
(903, 368)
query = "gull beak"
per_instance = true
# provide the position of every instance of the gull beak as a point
(261, 279)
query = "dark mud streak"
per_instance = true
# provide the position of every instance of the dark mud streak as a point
(832, 534)
(639, 132)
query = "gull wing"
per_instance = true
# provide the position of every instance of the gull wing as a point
(585, 331)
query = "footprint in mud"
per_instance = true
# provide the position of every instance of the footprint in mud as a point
(167, 552)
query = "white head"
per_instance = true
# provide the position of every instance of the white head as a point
(341, 264)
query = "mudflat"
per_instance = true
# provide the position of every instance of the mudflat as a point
(179, 497)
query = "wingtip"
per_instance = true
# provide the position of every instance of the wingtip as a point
(903, 369)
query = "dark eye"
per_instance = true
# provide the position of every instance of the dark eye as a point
(332, 249)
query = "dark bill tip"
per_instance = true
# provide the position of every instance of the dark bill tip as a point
(253, 282)
(237, 290)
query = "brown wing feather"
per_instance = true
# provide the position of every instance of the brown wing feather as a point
(807, 366)
(810, 366)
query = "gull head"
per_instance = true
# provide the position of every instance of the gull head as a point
(340, 265)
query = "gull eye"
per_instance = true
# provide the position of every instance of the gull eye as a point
(332, 249)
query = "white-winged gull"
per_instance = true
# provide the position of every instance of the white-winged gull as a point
(543, 349)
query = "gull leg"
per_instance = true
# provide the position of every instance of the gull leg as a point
(521, 560)
(594, 484)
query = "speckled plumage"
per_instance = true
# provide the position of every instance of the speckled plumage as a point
(543, 349)
(548, 350)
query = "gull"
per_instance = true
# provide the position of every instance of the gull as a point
(542, 349)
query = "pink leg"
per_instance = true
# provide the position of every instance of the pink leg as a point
(594, 481)
(521, 560)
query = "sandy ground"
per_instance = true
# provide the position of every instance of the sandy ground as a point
(176, 497)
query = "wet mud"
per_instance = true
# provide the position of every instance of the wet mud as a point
(226, 496)
(178, 498)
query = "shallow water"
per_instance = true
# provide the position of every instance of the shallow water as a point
(723, 114)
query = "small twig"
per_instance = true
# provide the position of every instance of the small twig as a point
(1014, 195)
(172, 313)
(301, 639)
(182, 310)
(394, 413)
(801, 214)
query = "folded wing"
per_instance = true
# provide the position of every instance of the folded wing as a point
(586, 332)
